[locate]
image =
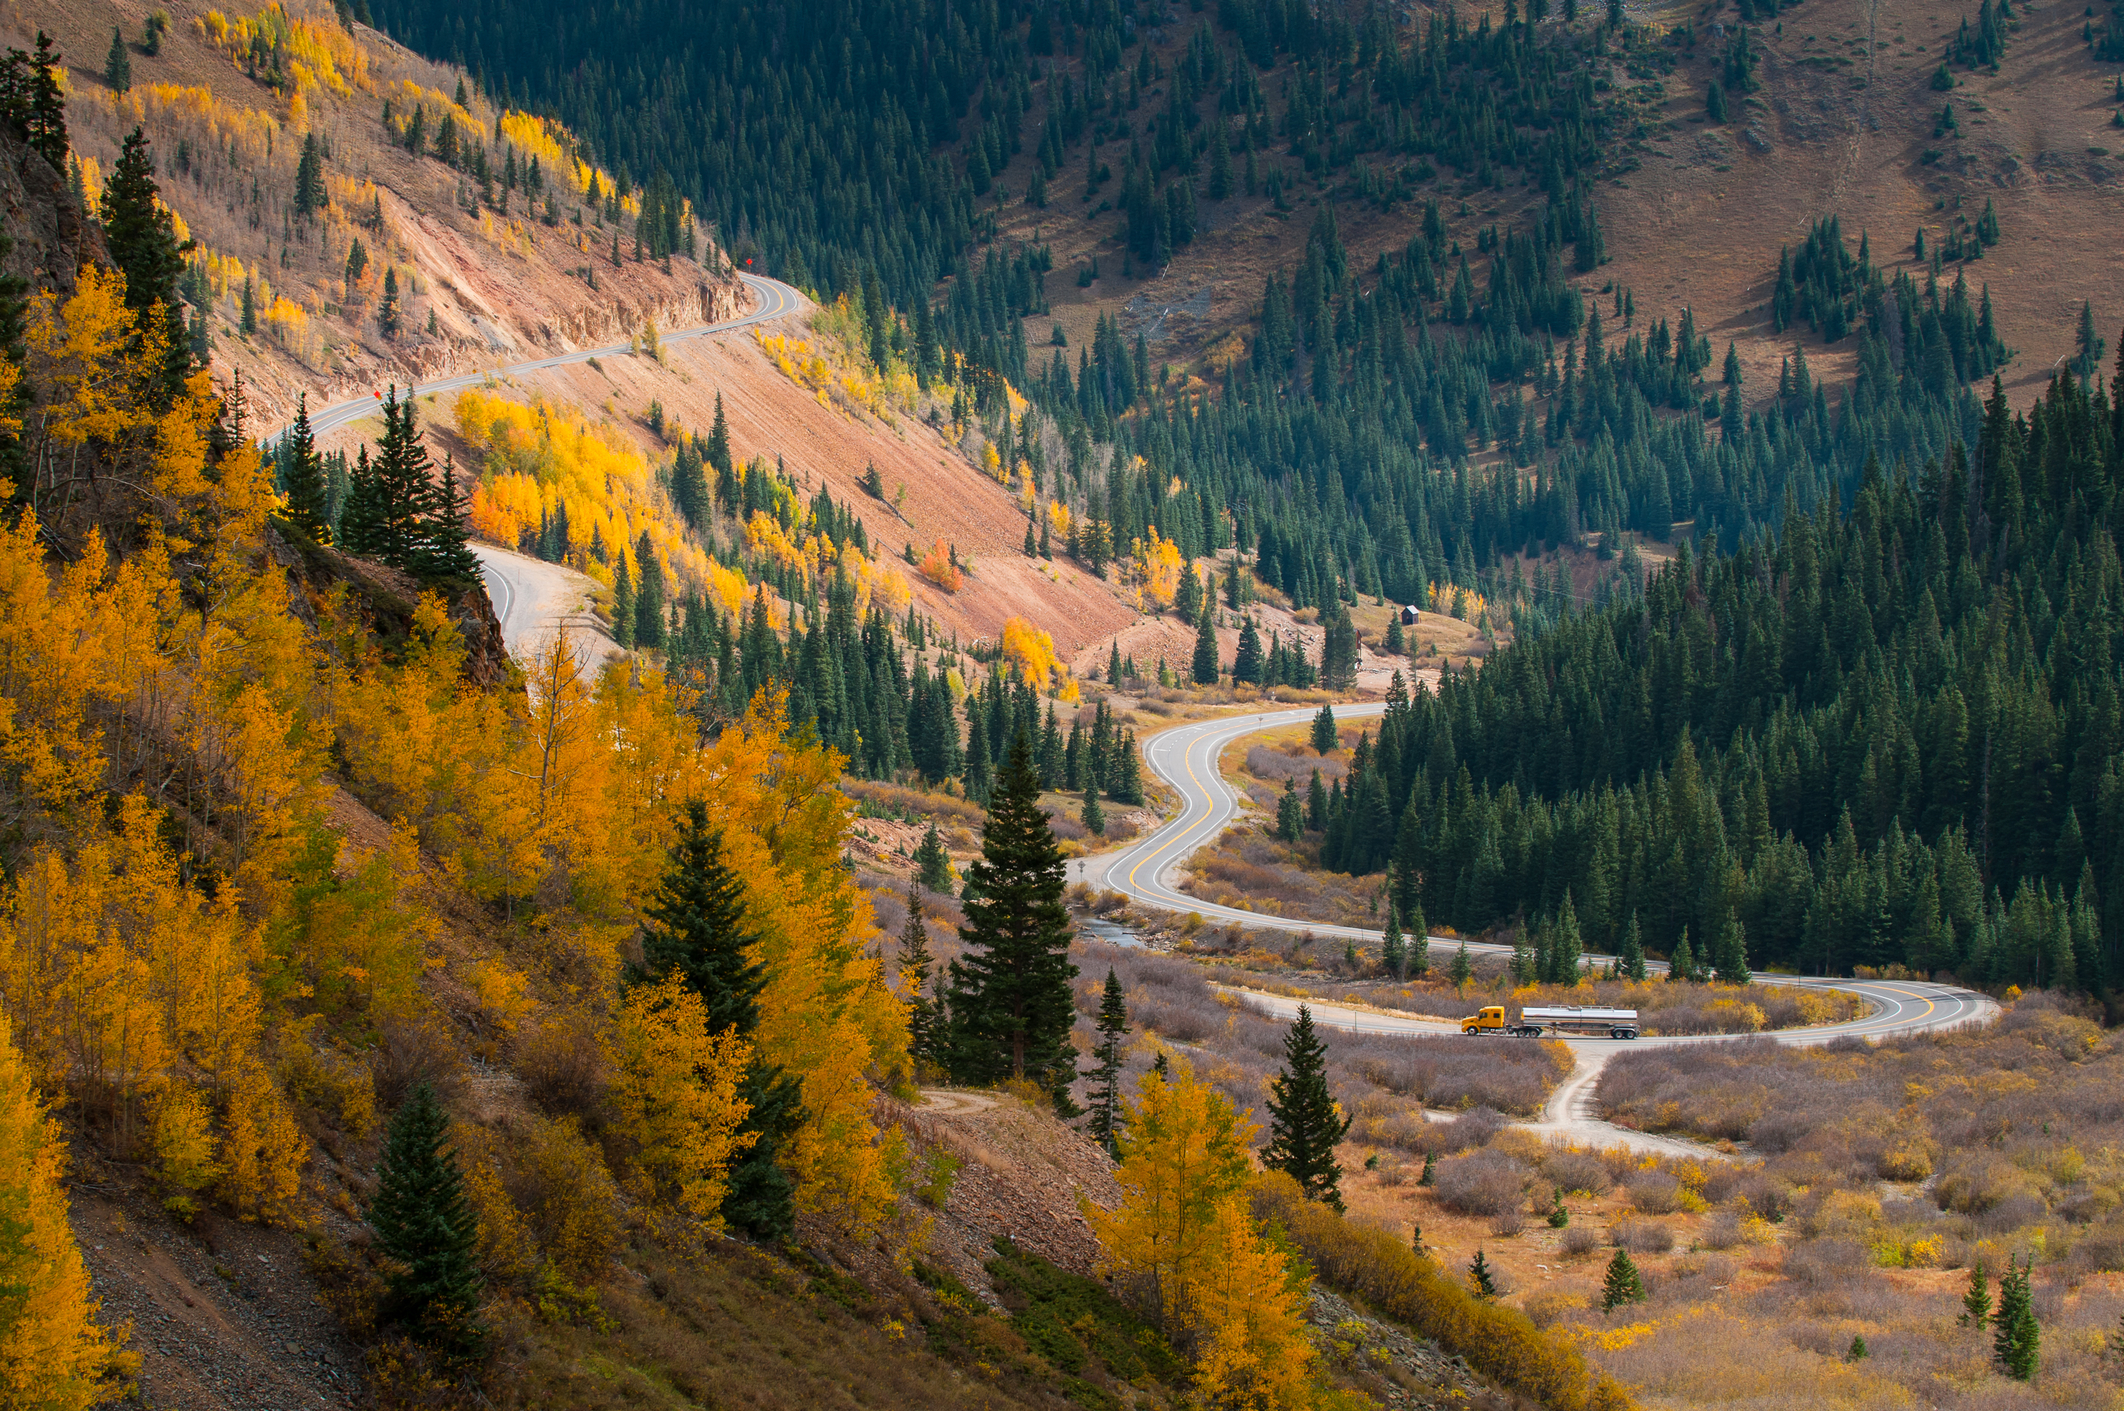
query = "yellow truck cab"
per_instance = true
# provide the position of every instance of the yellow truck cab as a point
(1491, 1020)
(1572, 1019)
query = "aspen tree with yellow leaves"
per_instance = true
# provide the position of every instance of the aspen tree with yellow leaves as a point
(1184, 1237)
(53, 1355)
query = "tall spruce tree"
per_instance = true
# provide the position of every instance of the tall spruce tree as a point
(1247, 663)
(1729, 957)
(1681, 965)
(1419, 942)
(648, 595)
(695, 925)
(1011, 1004)
(1976, 1301)
(1630, 961)
(1623, 1283)
(1105, 1094)
(403, 489)
(932, 863)
(310, 197)
(425, 1226)
(1205, 669)
(118, 63)
(445, 551)
(302, 478)
(1463, 968)
(1393, 952)
(1304, 1122)
(1325, 738)
(142, 235)
(2016, 1339)
(916, 965)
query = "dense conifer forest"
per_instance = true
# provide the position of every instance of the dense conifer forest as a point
(1868, 713)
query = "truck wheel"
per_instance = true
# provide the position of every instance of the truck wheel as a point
(1618, 1034)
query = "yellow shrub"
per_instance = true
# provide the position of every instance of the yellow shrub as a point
(184, 1150)
(53, 1355)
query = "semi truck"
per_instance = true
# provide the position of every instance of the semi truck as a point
(1570, 1019)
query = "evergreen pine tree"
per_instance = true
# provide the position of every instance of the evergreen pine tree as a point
(1094, 817)
(1187, 601)
(1419, 942)
(1205, 664)
(1290, 813)
(1304, 1122)
(1463, 968)
(1011, 1004)
(1681, 965)
(1558, 1217)
(2017, 1339)
(622, 602)
(445, 552)
(1325, 738)
(1481, 1276)
(1631, 960)
(1524, 966)
(310, 197)
(426, 1228)
(1393, 954)
(302, 477)
(405, 498)
(1105, 1095)
(916, 962)
(1316, 804)
(1976, 1303)
(389, 317)
(117, 64)
(142, 235)
(1246, 665)
(1429, 1176)
(648, 596)
(695, 924)
(1113, 663)
(1565, 948)
(1623, 1283)
(358, 512)
(45, 125)
(932, 863)
(1730, 955)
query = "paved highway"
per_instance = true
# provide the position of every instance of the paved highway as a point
(533, 598)
(777, 300)
(1186, 759)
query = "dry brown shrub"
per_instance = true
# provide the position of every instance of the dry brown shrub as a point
(563, 1068)
(1722, 1231)
(1642, 1236)
(414, 1048)
(1580, 1239)
(1508, 1222)
(1482, 1183)
(1576, 1171)
(1654, 1192)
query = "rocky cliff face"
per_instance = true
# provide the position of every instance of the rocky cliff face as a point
(387, 600)
(52, 237)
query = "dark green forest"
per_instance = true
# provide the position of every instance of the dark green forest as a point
(1883, 735)
(1870, 711)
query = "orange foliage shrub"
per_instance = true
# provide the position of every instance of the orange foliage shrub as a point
(937, 567)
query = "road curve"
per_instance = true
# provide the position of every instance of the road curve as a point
(776, 300)
(1186, 758)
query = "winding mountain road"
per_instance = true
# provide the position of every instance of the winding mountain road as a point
(533, 598)
(1186, 758)
(777, 300)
